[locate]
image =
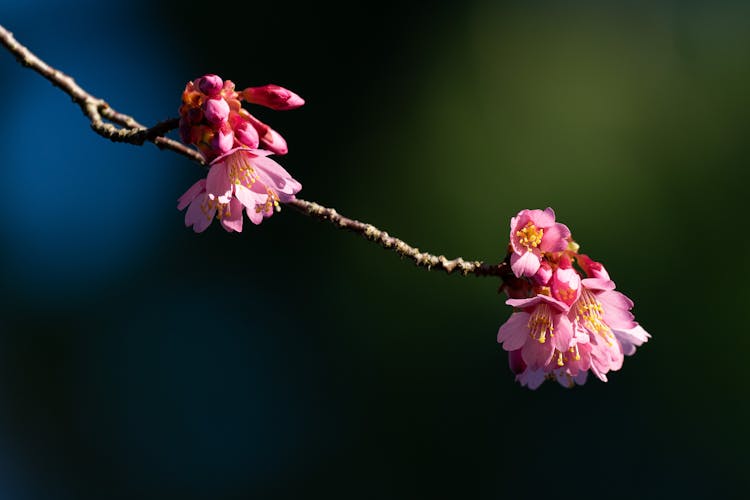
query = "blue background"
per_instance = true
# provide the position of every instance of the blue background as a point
(139, 360)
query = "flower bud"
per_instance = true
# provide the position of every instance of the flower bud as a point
(216, 111)
(272, 96)
(246, 134)
(566, 285)
(544, 274)
(222, 141)
(210, 85)
(270, 139)
(592, 268)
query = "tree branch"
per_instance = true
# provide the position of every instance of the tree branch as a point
(96, 109)
(421, 259)
(132, 132)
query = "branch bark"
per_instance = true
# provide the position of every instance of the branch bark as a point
(421, 259)
(97, 110)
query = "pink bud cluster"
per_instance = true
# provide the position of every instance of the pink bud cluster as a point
(568, 318)
(212, 117)
(241, 176)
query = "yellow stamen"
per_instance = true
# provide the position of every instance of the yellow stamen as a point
(530, 236)
(589, 313)
(540, 324)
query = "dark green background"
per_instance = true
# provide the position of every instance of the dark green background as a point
(298, 361)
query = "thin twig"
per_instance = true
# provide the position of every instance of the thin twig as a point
(96, 109)
(421, 259)
(132, 132)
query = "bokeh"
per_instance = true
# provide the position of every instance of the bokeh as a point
(294, 360)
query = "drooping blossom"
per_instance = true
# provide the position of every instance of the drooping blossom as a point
(604, 314)
(533, 233)
(568, 317)
(539, 329)
(242, 178)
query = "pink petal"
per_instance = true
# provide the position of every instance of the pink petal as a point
(514, 332)
(254, 215)
(192, 192)
(542, 218)
(555, 238)
(564, 379)
(631, 338)
(537, 355)
(274, 176)
(248, 197)
(615, 357)
(515, 362)
(537, 299)
(615, 299)
(563, 334)
(531, 378)
(526, 264)
(580, 379)
(232, 220)
(598, 284)
(616, 310)
(196, 218)
(218, 183)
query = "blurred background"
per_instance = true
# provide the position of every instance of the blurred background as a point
(294, 360)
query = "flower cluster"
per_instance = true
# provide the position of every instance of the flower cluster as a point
(241, 174)
(568, 317)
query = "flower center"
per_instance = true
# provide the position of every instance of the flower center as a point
(589, 313)
(540, 324)
(241, 172)
(530, 236)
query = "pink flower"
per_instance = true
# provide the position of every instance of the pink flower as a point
(241, 178)
(569, 319)
(539, 329)
(604, 314)
(532, 233)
